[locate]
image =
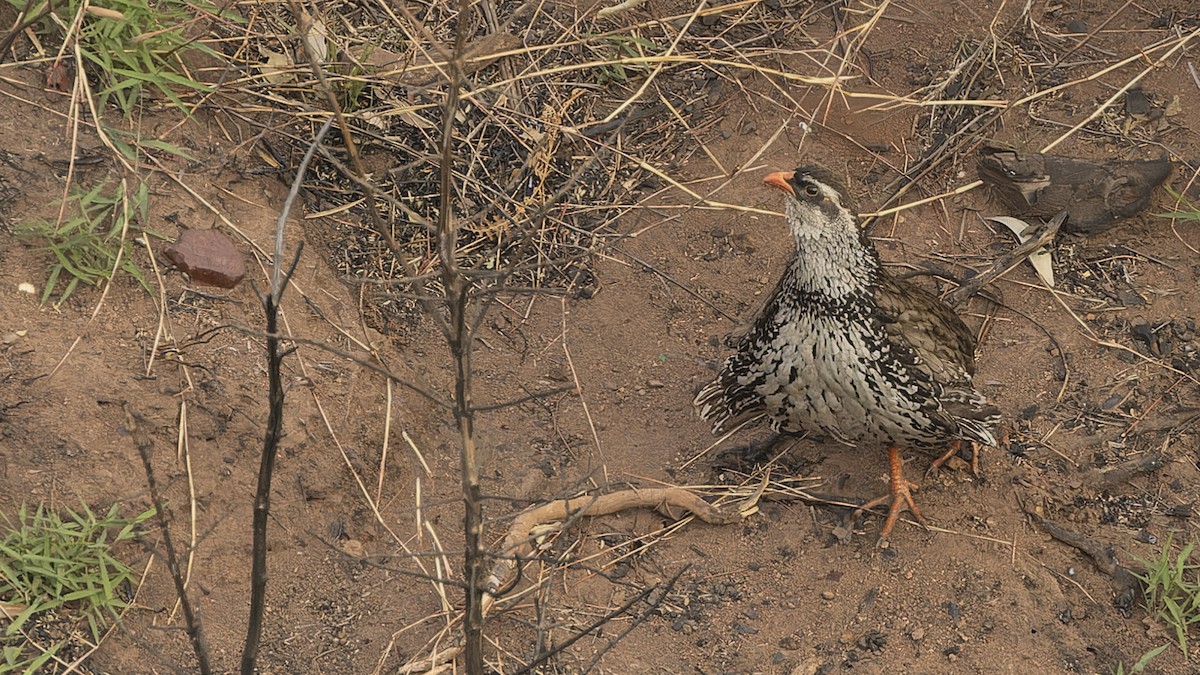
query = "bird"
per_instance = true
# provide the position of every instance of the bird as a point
(1096, 195)
(845, 349)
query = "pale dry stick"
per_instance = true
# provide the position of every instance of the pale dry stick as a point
(30, 105)
(80, 90)
(579, 392)
(629, 100)
(1098, 74)
(687, 127)
(1044, 441)
(890, 102)
(670, 501)
(642, 61)
(418, 509)
(862, 31)
(417, 452)
(387, 431)
(904, 207)
(9, 610)
(1180, 44)
(163, 331)
(1065, 577)
(183, 451)
(387, 651)
(445, 571)
(517, 544)
(623, 6)
(436, 662)
(724, 437)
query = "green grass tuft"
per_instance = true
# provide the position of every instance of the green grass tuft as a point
(128, 46)
(1172, 590)
(98, 226)
(61, 565)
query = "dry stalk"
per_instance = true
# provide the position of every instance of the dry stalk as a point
(275, 400)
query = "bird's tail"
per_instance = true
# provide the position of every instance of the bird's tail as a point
(977, 419)
(728, 399)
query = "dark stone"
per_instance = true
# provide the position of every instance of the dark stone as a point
(208, 257)
(1136, 102)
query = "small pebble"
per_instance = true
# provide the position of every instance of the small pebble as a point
(918, 634)
(827, 595)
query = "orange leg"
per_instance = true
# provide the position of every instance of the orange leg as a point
(899, 493)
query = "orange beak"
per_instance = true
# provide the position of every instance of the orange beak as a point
(781, 180)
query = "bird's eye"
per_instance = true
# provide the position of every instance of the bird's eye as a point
(812, 191)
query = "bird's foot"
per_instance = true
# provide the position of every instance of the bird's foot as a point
(954, 449)
(899, 494)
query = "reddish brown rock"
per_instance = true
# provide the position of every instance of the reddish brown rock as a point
(208, 257)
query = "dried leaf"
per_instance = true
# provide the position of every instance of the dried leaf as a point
(411, 118)
(1040, 259)
(316, 37)
(277, 69)
(418, 70)
(1174, 107)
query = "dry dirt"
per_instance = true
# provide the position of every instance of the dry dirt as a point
(986, 591)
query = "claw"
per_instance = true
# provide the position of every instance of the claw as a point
(952, 451)
(899, 494)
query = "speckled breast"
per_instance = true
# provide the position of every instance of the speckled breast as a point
(843, 378)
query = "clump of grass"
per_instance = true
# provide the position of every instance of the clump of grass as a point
(1172, 590)
(1140, 666)
(622, 46)
(128, 45)
(1187, 210)
(86, 242)
(61, 563)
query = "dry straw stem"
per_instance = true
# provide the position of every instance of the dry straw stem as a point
(1172, 46)
(519, 544)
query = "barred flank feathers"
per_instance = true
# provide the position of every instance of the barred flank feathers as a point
(725, 399)
(976, 419)
(978, 431)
